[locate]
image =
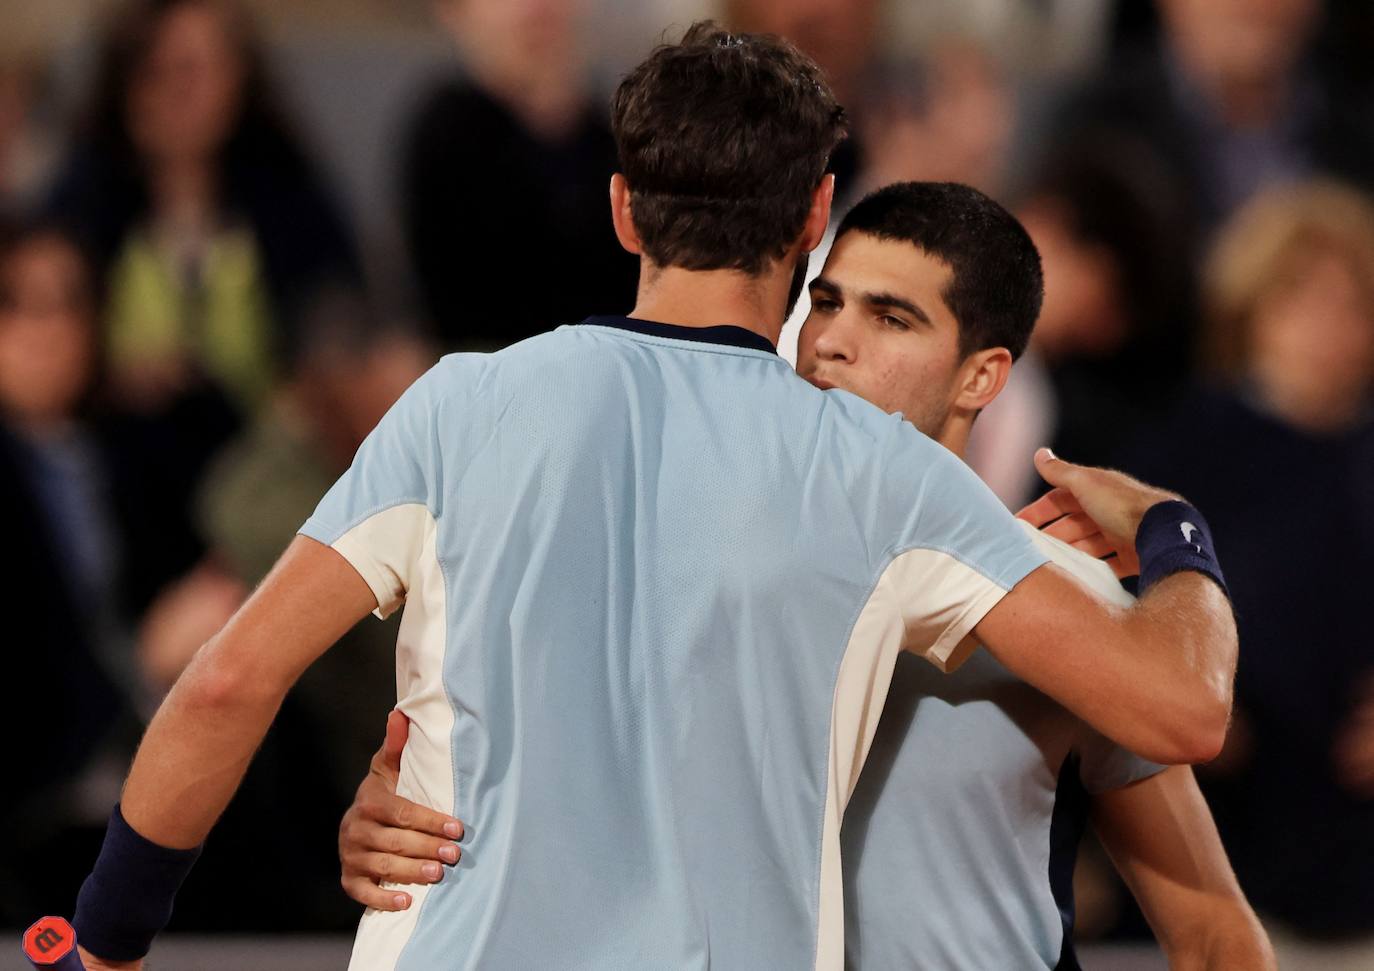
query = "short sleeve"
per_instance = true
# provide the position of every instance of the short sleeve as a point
(1106, 765)
(958, 553)
(381, 512)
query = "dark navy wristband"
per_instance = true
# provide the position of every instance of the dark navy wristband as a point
(128, 897)
(1173, 537)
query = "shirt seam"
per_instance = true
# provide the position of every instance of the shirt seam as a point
(1001, 581)
(361, 518)
(829, 737)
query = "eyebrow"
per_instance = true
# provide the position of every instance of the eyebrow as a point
(874, 299)
(825, 286)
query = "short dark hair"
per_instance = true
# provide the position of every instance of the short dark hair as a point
(997, 285)
(723, 138)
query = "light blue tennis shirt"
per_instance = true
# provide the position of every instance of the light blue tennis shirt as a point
(655, 585)
(982, 875)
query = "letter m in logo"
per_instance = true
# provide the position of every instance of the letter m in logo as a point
(48, 941)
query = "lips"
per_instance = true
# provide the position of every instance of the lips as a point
(821, 383)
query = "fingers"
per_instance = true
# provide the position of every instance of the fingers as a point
(377, 800)
(404, 843)
(1073, 528)
(387, 868)
(397, 731)
(1049, 507)
(367, 893)
(1097, 546)
(400, 813)
(1053, 469)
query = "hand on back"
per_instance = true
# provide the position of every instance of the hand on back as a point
(387, 838)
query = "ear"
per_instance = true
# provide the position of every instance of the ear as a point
(982, 378)
(622, 217)
(818, 219)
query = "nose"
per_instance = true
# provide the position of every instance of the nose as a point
(834, 340)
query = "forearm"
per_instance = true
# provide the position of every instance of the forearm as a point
(1160, 834)
(195, 752)
(204, 735)
(1229, 940)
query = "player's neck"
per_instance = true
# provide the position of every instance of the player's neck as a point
(709, 298)
(954, 436)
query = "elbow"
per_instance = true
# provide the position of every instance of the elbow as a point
(1200, 730)
(1202, 745)
(217, 680)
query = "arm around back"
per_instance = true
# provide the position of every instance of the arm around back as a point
(1156, 677)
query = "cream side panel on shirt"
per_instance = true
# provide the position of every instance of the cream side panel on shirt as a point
(1090, 571)
(925, 601)
(395, 552)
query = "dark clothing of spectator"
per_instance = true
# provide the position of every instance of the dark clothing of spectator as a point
(1146, 94)
(160, 459)
(60, 573)
(510, 231)
(1293, 518)
(66, 656)
(97, 526)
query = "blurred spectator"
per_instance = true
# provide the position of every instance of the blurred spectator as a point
(210, 236)
(68, 540)
(1281, 455)
(842, 37)
(1233, 97)
(945, 118)
(28, 146)
(207, 222)
(1111, 346)
(515, 155)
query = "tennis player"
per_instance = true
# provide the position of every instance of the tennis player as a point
(655, 589)
(960, 839)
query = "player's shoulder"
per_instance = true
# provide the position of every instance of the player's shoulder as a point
(453, 375)
(1096, 575)
(853, 419)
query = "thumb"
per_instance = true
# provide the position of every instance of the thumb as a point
(397, 731)
(1055, 470)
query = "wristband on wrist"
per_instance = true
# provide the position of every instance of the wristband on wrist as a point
(1173, 537)
(128, 897)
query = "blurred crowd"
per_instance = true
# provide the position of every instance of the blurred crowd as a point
(230, 237)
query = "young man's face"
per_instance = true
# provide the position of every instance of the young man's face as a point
(879, 328)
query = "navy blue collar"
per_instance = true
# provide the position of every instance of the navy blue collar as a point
(727, 334)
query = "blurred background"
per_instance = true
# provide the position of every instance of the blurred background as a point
(232, 231)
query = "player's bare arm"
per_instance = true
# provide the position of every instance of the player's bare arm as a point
(1161, 837)
(206, 731)
(1155, 678)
